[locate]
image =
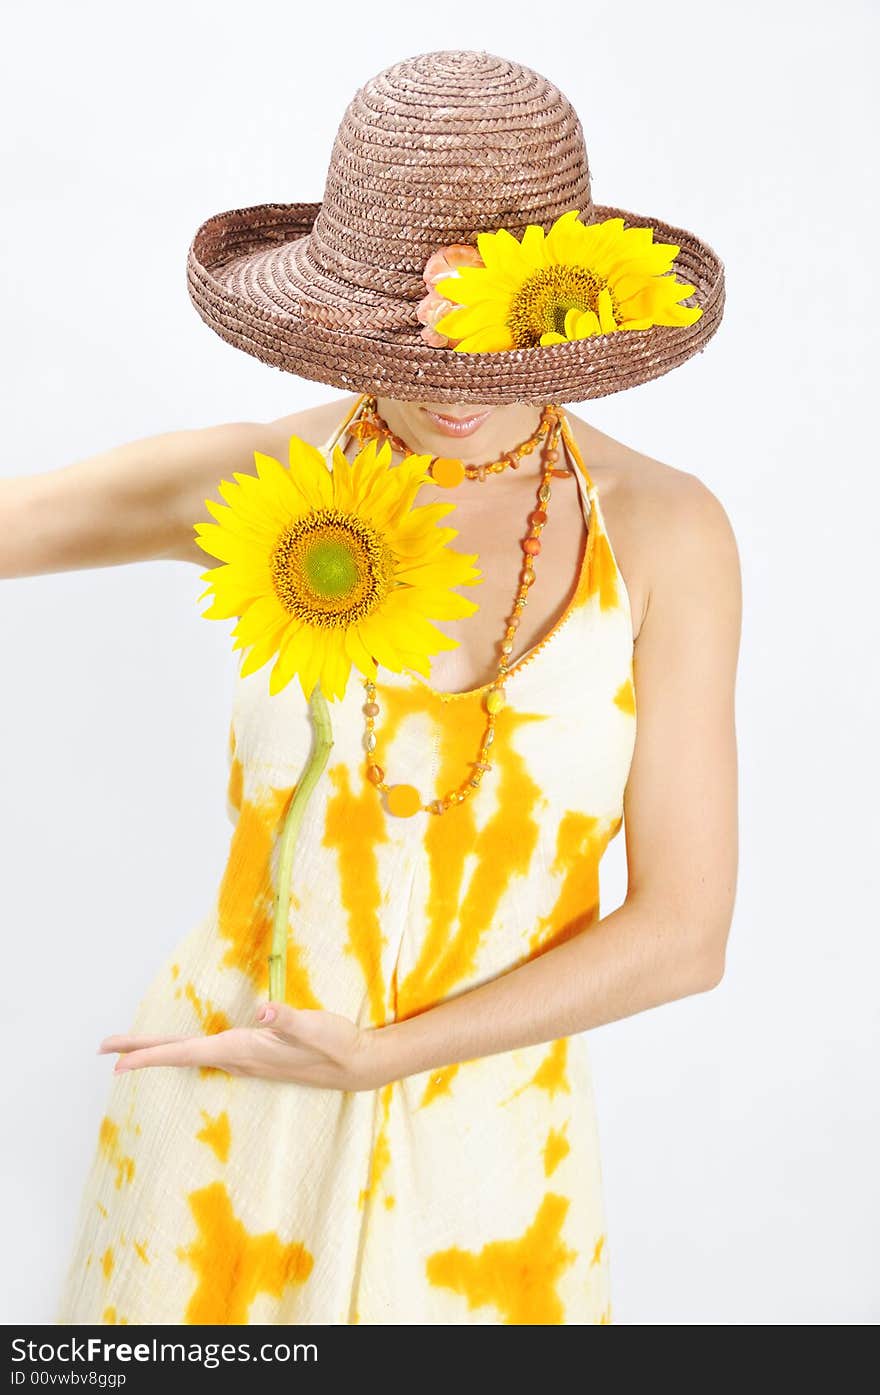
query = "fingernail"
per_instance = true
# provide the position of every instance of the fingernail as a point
(266, 1014)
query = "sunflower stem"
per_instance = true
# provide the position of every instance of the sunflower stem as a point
(318, 756)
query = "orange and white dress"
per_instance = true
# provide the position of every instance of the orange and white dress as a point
(470, 1194)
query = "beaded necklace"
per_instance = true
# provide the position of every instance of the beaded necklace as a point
(404, 800)
(446, 471)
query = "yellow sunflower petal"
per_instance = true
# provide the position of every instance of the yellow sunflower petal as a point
(311, 660)
(472, 318)
(264, 648)
(410, 628)
(334, 665)
(362, 468)
(655, 262)
(441, 604)
(386, 494)
(293, 655)
(607, 322)
(262, 615)
(310, 473)
(473, 284)
(379, 637)
(359, 653)
(276, 481)
(221, 542)
(551, 337)
(486, 341)
(679, 315)
(532, 245)
(564, 238)
(442, 571)
(501, 255)
(596, 243)
(581, 324)
(342, 482)
(654, 298)
(250, 506)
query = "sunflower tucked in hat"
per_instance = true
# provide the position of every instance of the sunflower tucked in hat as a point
(457, 254)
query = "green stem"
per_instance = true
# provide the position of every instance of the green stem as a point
(314, 765)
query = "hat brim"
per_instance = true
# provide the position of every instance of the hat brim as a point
(250, 278)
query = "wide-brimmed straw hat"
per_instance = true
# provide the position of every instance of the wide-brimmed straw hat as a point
(430, 152)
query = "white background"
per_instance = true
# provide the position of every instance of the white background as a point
(740, 1128)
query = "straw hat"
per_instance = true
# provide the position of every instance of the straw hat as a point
(430, 152)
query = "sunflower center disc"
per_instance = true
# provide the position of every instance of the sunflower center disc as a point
(542, 301)
(331, 569)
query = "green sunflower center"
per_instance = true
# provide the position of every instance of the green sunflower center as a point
(544, 298)
(331, 568)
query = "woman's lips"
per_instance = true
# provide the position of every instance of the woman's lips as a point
(457, 426)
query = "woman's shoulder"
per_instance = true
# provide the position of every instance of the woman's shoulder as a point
(664, 523)
(313, 424)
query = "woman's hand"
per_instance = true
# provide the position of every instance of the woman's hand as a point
(301, 1045)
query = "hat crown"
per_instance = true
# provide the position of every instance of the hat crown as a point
(435, 150)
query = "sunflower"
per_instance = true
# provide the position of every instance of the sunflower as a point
(326, 569)
(577, 280)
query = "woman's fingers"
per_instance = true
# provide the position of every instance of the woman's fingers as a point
(278, 1015)
(123, 1042)
(222, 1049)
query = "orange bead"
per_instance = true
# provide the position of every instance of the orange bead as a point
(532, 547)
(375, 774)
(538, 516)
(404, 800)
(447, 472)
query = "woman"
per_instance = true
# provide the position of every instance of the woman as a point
(407, 1133)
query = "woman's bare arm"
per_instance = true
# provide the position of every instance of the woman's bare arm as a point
(137, 501)
(668, 939)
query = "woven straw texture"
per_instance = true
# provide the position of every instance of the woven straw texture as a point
(432, 151)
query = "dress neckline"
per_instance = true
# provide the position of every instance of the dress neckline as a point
(591, 509)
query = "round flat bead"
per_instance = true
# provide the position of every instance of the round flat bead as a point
(447, 472)
(371, 709)
(404, 800)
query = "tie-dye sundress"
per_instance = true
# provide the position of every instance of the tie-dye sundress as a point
(468, 1194)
